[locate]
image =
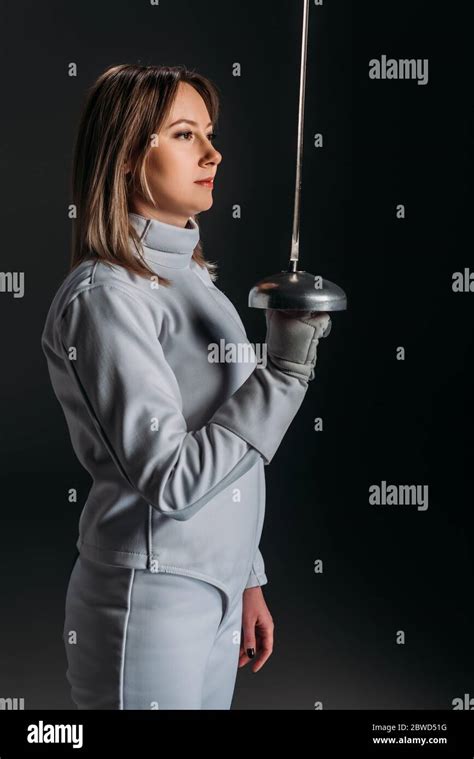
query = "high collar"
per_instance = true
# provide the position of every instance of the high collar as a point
(166, 244)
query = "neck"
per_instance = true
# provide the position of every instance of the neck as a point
(166, 245)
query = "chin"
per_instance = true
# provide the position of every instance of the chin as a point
(204, 206)
(208, 205)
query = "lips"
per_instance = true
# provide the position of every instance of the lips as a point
(209, 182)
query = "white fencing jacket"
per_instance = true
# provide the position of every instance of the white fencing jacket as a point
(175, 443)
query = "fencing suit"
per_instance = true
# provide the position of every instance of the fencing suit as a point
(176, 443)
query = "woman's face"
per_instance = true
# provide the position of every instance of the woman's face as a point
(180, 156)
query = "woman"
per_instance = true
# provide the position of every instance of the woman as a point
(164, 602)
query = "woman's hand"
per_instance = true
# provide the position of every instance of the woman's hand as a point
(257, 629)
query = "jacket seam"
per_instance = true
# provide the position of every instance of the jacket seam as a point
(164, 567)
(116, 550)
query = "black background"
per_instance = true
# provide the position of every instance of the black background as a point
(386, 568)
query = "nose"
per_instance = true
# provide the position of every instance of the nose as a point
(213, 157)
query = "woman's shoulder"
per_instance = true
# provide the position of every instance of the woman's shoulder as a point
(93, 281)
(98, 275)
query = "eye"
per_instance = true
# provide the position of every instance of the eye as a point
(212, 136)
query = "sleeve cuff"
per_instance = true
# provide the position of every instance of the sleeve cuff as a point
(256, 580)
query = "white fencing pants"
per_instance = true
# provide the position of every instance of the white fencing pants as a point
(136, 639)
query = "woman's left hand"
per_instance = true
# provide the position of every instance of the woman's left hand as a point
(257, 629)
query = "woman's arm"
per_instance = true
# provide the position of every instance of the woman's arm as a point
(110, 344)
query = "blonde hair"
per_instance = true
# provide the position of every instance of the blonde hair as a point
(125, 106)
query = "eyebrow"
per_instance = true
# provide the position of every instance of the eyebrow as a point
(188, 121)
